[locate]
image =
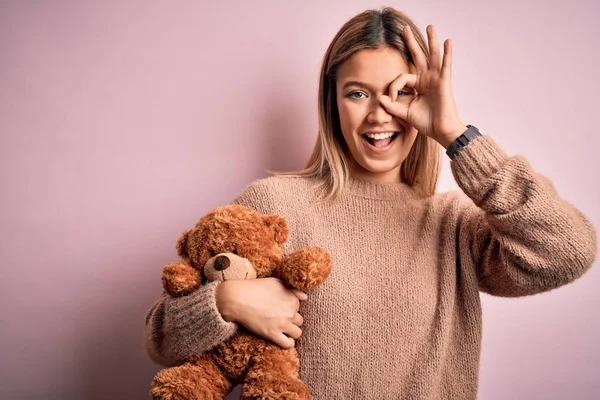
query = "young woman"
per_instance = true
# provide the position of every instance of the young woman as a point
(400, 315)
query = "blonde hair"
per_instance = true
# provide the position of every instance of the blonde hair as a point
(330, 159)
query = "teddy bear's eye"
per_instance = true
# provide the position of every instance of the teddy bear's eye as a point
(234, 251)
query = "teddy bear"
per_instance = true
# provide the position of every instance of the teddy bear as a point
(237, 242)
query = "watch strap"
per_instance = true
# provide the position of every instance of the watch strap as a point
(462, 141)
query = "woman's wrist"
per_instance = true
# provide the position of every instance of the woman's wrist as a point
(225, 299)
(448, 138)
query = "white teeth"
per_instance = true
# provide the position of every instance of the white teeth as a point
(379, 136)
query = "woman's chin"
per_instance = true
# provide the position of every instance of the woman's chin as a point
(378, 171)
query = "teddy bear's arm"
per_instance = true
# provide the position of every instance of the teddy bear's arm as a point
(180, 279)
(305, 268)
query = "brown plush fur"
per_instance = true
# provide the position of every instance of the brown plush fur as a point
(236, 242)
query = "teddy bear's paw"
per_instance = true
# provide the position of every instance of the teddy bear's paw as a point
(270, 388)
(190, 382)
(180, 279)
(306, 268)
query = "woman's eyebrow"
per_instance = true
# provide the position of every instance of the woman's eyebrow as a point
(356, 83)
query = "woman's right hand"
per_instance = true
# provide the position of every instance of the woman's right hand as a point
(264, 306)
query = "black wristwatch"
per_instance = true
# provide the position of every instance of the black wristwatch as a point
(462, 141)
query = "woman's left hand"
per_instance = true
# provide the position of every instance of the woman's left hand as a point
(432, 109)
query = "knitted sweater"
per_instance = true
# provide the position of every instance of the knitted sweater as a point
(400, 315)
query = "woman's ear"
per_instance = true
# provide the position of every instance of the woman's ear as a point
(182, 245)
(279, 227)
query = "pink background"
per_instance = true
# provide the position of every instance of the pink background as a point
(122, 122)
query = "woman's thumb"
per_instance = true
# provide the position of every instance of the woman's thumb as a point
(395, 108)
(300, 294)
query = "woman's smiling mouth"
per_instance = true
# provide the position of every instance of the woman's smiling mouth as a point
(380, 141)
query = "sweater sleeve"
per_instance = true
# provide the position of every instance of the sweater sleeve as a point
(520, 235)
(177, 328)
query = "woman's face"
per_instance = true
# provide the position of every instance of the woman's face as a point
(378, 142)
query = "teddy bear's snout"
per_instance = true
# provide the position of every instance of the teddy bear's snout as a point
(228, 266)
(222, 263)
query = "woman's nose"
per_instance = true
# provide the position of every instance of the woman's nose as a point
(378, 115)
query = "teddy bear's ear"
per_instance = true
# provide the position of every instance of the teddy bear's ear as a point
(182, 245)
(278, 225)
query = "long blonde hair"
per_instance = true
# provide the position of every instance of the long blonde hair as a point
(330, 159)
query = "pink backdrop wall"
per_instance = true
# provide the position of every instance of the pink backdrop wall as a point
(121, 122)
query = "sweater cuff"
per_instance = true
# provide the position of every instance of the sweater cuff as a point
(476, 164)
(198, 322)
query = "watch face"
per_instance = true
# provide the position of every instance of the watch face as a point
(471, 133)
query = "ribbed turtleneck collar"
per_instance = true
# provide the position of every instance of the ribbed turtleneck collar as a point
(378, 190)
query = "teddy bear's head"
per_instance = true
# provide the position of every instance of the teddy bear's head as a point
(234, 242)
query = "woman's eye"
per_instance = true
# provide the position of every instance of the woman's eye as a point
(404, 92)
(356, 95)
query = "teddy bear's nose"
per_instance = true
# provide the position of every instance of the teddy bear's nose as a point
(221, 263)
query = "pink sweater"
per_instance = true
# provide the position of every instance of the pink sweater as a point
(400, 315)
